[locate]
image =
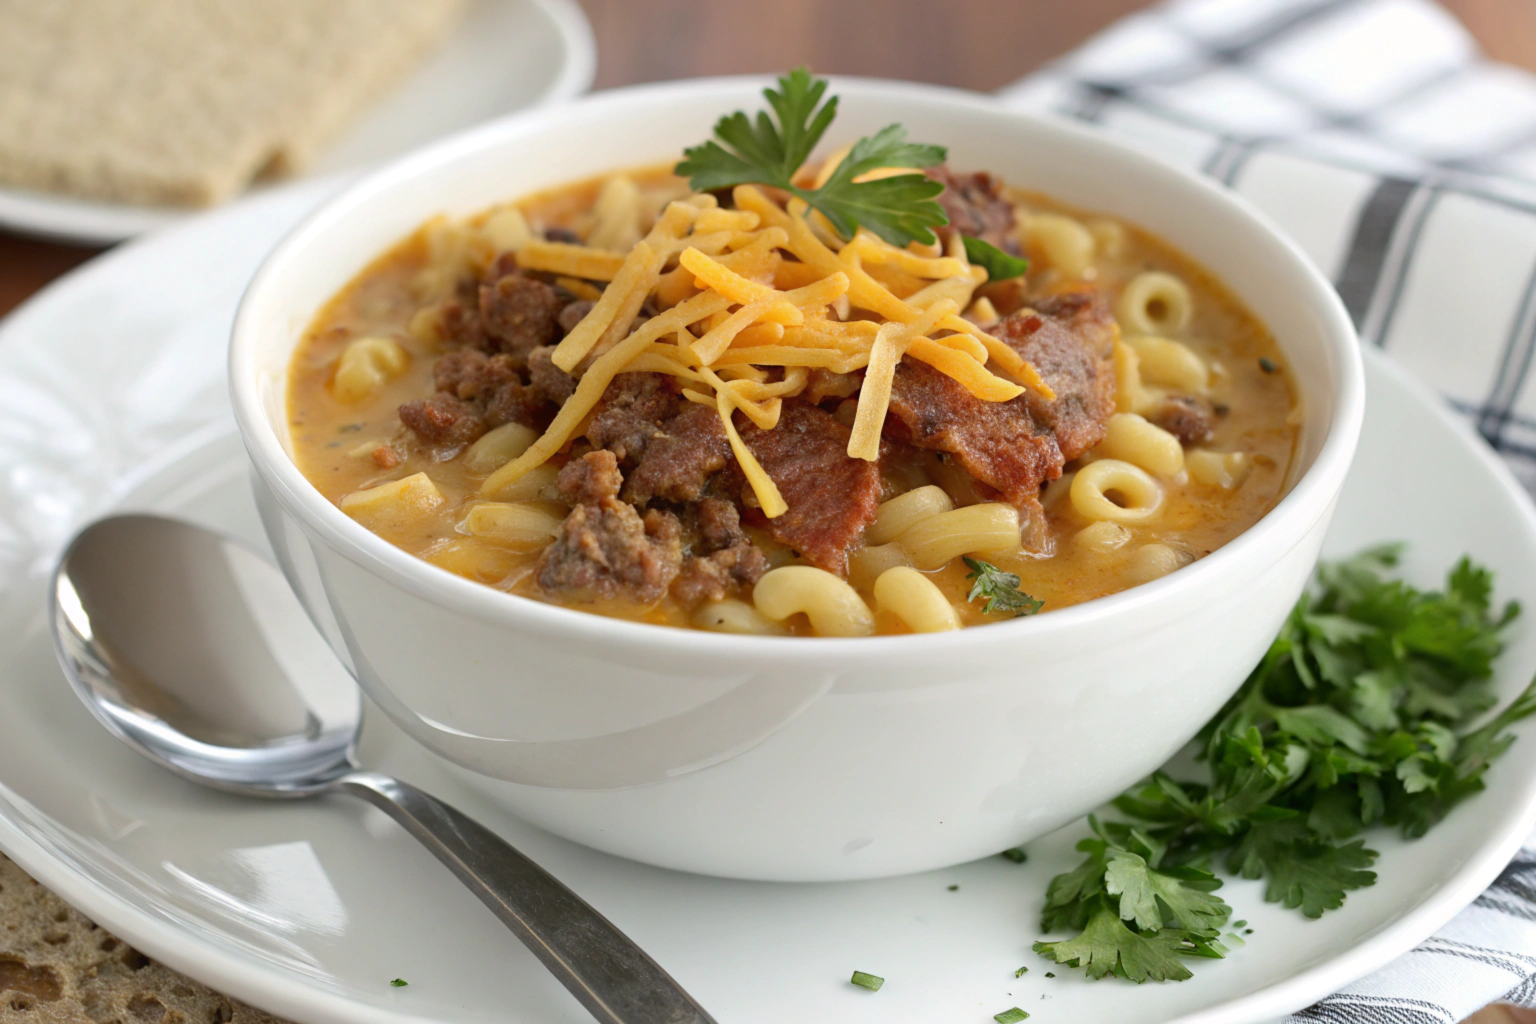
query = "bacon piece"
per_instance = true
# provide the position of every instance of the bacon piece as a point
(1015, 446)
(831, 497)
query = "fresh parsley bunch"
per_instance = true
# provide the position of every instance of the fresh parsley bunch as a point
(1354, 718)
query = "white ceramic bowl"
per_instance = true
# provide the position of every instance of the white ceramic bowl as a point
(784, 758)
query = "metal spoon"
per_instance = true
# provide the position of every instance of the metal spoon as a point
(193, 650)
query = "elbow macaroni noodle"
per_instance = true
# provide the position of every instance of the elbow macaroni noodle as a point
(1154, 302)
(1102, 537)
(733, 616)
(366, 365)
(1151, 561)
(896, 516)
(522, 526)
(1219, 469)
(1066, 243)
(395, 505)
(498, 447)
(1132, 439)
(1141, 495)
(834, 607)
(933, 542)
(915, 600)
(1170, 363)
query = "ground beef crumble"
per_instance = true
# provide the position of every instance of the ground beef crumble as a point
(605, 549)
(724, 561)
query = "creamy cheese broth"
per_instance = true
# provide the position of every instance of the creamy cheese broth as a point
(345, 447)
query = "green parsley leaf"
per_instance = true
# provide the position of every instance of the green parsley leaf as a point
(1010, 1016)
(900, 208)
(1106, 946)
(1148, 896)
(1302, 871)
(869, 981)
(399, 983)
(1021, 972)
(1001, 589)
(999, 265)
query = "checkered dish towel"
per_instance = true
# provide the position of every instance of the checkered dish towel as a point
(1375, 135)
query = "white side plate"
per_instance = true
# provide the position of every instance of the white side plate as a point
(505, 55)
(112, 392)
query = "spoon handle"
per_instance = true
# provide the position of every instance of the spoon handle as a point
(610, 975)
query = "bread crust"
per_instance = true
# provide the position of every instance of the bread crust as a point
(185, 102)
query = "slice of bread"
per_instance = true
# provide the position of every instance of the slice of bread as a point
(57, 967)
(184, 102)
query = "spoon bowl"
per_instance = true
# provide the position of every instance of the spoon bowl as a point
(191, 648)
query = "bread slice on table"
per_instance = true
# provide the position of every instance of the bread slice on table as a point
(184, 102)
(57, 966)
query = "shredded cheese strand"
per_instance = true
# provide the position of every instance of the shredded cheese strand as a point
(877, 250)
(959, 288)
(710, 273)
(718, 338)
(875, 393)
(868, 293)
(964, 343)
(964, 370)
(766, 333)
(784, 355)
(640, 267)
(727, 220)
(769, 499)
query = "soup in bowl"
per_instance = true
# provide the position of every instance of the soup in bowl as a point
(852, 520)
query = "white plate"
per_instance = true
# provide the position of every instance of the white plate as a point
(112, 392)
(503, 56)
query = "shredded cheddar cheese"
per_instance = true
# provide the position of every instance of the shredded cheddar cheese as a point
(757, 292)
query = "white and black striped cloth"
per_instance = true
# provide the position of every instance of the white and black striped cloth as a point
(1405, 165)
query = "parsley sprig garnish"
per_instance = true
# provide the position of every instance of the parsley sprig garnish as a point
(1001, 589)
(1354, 718)
(900, 209)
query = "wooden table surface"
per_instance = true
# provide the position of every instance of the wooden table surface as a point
(975, 44)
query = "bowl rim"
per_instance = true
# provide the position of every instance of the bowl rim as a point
(1310, 496)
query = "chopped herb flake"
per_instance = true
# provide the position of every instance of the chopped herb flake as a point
(869, 981)
(1048, 974)
(1011, 1016)
(1001, 589)
(1021, 972)
(954, 888)
(1016, 855)
(399, 983)
(1268, 365)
